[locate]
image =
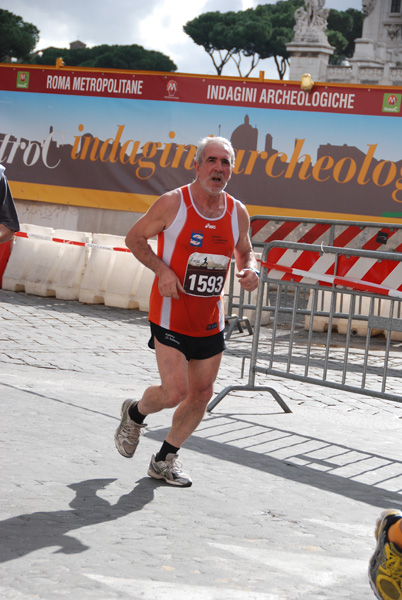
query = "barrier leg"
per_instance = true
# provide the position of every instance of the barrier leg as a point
(248, 388)
(235, 321)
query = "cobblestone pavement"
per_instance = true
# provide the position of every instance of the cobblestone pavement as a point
(283, 506)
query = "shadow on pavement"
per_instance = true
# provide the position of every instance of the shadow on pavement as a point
(315, 472)
(29, 532)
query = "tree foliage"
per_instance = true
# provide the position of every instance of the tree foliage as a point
(108, 57)
(213, 31)
(17, 38)
(254, 33)
(230, 36)
(281, 15)
(264, 32)
(250, 33)
(344, 27)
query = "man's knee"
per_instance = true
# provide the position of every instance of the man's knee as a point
(175, 396)
(203, 395)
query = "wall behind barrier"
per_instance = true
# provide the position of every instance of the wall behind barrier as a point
(118, 139)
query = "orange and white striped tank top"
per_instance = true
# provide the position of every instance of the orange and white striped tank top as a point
(199, 251)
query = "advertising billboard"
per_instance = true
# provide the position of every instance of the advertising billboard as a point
(118, 139)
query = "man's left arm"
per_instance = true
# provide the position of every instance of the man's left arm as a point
(246, 262)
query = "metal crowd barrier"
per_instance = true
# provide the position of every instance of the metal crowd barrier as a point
(303, 286)
(240, 305)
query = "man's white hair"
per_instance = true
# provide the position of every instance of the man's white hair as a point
(207, 140)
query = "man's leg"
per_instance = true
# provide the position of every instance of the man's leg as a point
(190, 412)
(201, 375)
(173, 371)
(172, 366)
(187, 385)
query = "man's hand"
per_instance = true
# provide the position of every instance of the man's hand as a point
(248, 279)
(169, 284)
(5, 234)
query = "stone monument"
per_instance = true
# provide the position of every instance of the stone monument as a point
(378, 53)
(310, 49)
(377, 59)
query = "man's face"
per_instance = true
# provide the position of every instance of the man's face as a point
(215, 169)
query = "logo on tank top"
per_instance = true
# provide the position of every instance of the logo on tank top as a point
(196, 239)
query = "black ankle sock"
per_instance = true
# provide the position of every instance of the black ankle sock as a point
(166, 449)
(135, 414)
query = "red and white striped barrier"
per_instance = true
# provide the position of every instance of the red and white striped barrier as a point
(342, 234)
(327, 279)
(48, 238)
(373, 274)
(359, 272)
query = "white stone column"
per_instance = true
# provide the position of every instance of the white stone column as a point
(310, 50)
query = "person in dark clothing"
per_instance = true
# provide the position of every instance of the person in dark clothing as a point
(9, 223)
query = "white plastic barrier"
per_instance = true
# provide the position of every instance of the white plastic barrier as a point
(71, 263)
(385, 311)
(108, 272)
(145, 282)
(68, 265)
(363, 306)
(32, 262)
(123, 281)
(115, 278)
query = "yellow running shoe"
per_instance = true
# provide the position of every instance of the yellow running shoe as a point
(385, 569)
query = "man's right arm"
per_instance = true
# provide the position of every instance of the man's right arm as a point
(159, 217)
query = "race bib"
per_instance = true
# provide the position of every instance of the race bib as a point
(205, 274)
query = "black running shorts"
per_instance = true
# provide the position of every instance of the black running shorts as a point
(193, 348)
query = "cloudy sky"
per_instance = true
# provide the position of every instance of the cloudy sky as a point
(154, 24)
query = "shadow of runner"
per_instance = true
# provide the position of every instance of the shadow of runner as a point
(342, 485)
(29, 532)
